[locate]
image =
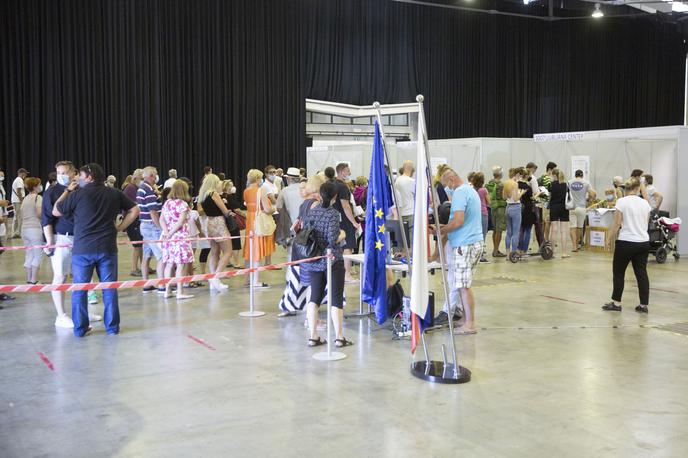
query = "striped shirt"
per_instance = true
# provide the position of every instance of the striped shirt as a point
(147, 201)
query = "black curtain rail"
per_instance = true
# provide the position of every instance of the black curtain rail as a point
(187, 83)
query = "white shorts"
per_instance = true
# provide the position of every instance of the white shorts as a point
(577, 217)
(61, 260)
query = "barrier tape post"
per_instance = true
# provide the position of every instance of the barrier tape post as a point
(329, 355)
(251, 300)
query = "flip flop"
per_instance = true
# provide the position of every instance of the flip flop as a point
(466, 332)
(285, 314)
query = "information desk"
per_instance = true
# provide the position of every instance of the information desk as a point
(598, 236)
(397, 267)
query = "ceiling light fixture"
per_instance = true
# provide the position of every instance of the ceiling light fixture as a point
(598, 12)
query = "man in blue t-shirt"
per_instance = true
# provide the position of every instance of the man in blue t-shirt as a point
(465, 233)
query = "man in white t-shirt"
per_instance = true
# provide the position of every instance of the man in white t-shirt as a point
(632, 246)
(405, 187)
(17, 198)
(172, 173)
(580, 190)
(654, 197)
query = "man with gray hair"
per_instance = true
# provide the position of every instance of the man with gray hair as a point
(149, 206)
(172, 178)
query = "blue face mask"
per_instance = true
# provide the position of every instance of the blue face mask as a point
(82, 182)
(63, 180)
(449, 191)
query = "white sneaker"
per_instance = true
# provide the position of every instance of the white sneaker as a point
(93, 317)
(184, 296)
(217, 285)
(92, 297)
(64, 321)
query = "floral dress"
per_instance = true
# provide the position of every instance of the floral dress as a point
(174, 251)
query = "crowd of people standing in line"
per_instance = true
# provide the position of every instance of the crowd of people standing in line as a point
(160, 219)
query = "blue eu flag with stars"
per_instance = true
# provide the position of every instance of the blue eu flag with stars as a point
(379, 201)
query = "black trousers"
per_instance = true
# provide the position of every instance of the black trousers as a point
(636, 253)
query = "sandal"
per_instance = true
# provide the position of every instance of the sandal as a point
(285, 314)
(316, 342)
(343, 342)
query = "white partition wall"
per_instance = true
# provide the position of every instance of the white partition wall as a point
(660, 151)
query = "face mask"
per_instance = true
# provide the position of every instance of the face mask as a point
(610, 197)
(232, 190)
(2, 178)
(63, 179)
(642, 180)
(271, 178)
(82, 182)
(157, 178)
(448, 190)
(40, 188)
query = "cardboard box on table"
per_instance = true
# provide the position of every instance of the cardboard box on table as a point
(598, 237)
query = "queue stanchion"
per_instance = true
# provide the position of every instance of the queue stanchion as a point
(329, 355)
(251, 313)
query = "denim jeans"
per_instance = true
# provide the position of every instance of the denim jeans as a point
(105, 264)
(524, 241)
(513, 225)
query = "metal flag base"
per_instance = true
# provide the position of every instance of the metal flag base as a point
(251, 314)
(438, 372)
(329, 356)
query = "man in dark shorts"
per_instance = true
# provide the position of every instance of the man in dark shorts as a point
(348, 223)
(134, 230)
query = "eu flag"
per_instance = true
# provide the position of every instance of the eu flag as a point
(379, 202)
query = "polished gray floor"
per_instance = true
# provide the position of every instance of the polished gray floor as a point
(552, 376)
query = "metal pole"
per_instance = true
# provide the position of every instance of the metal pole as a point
(329, 302)
(251, 298)
(685, 95)
(329, 355)
(435, 208)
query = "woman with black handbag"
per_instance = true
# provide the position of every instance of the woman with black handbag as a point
(229, 197)
(210, 204)
(296, 290)
(324, 222)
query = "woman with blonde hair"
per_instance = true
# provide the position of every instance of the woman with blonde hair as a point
(441, 192)
(256, 199)
(210, 204)
(173, 221)
(558, 214)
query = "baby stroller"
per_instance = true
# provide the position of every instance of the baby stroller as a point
(662, 231)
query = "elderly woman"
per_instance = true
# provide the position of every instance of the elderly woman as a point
(31, 229)
(211, 205)
(256, 199)
(296, 291)
(324, 219)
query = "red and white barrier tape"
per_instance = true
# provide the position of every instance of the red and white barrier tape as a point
(124, 242)
(65, 287)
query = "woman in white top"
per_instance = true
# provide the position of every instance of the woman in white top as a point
(31, 229)
(632, 245)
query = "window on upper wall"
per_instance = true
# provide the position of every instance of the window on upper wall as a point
(319, 118)
(340, 120)
(399, 120)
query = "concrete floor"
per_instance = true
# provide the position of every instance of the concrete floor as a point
(616, 387)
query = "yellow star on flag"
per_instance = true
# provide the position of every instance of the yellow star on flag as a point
(381, 229)
(378, 213)
(378, 245)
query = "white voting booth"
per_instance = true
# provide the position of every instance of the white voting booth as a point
(660, 151)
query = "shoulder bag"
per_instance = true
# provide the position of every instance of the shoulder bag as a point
(305, 244)
(264, 224)
(569, 200)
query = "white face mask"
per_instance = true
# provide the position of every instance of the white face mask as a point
(2, 178)
(157, 178)
(642, 180)
(232, 190)
(39, 189)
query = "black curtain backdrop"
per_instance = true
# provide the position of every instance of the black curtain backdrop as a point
(188, 83)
